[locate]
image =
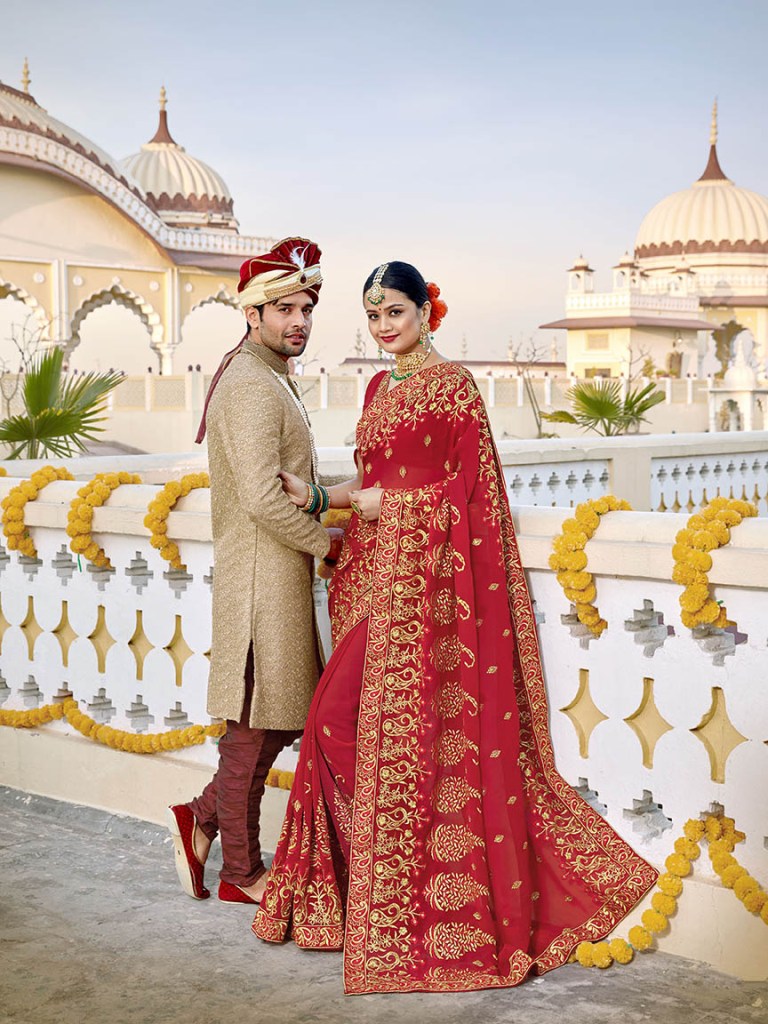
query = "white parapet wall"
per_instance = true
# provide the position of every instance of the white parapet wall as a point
(652, 724)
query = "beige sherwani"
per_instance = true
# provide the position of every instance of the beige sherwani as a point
(263, 546)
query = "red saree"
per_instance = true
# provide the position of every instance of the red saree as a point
(428, 833)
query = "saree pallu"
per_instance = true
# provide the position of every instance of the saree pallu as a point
(428, 833)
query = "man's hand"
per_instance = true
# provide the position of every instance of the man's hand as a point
(326, 566)
(296, 489)
(368, 502)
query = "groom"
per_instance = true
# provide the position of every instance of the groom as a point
(265, 655)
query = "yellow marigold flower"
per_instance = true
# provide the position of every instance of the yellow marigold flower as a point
(696, 522)
(587, 519)
(157, 541)
(13, 529)
(587, 595)
(169, 551)
(587, 615)
(721, 861)
(744, 885)
(724, 844)
(728, 824)
(701, 560)
(13, 515)
(680, 552)
(731, 874)
(694, 597)
(744, 508)
(694, 830)
(599, 627)
(755, 901)
(720, 532)
(710, 613)
(654, 921)
(665, 905)
(574, 541)
(687, 848)
(670, 885)
(722, 619)
(601, 955)
(764, 912)
(703, 540)
(728, 517)
(676, 864)
(576, 560)
(621, 951)
(713, 828)
(584, 954)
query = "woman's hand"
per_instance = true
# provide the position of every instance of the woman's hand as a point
(296, 489)
(368, 502)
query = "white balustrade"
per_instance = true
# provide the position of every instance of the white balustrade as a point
(652, 723)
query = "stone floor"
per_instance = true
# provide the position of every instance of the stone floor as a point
(94, 929)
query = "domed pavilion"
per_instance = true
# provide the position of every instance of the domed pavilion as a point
(700, 261)
(155, 233)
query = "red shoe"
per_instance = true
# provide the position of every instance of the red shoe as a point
(182, 825)
(229, 893)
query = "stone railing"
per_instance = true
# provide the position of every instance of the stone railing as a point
(658, 472)
(651, 723)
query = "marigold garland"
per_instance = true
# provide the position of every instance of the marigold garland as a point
(705, 531)
(569, 560)
(156, 520)
(117, 739)
(80, 516)
(722, 836)
(14, 528)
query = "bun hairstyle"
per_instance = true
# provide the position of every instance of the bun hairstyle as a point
(402, 277)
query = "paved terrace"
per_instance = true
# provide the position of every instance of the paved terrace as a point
(95, 930)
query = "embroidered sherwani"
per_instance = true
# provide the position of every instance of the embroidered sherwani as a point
(263, 546)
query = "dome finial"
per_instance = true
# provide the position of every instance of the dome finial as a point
(162, 134)
(713, 128)
(713, 171)
(25, 78)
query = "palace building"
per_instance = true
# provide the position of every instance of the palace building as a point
(79, 230)
(700, 262)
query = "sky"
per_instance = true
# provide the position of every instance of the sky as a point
(488, 143)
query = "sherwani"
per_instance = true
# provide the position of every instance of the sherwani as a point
(263, 546)
(265, 656)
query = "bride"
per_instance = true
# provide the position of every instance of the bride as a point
(428, 833)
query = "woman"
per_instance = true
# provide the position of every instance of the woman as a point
(428, 832)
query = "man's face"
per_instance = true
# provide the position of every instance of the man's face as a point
(286, 324)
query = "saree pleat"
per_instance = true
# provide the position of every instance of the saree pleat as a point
(470, 861)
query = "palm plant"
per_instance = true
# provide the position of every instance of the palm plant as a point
(61, 414)
(599, 406)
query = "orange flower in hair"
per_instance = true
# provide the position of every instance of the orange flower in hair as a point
(439, 308)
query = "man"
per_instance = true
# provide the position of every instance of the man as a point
(265, 656)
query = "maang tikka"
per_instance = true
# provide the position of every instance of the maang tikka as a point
(375, 294)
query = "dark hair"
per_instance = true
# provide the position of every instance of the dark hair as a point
(402, 277)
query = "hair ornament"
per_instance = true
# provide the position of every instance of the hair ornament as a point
(375, 294)
(439, 308)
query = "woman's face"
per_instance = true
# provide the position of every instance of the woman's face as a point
(395, 324)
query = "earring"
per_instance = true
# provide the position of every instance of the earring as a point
(424, 334)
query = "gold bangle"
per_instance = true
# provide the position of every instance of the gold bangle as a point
(310, 500)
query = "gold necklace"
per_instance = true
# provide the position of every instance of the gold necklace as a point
(408, 363)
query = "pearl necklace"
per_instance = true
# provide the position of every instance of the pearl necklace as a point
(292, 390)
(409, 363)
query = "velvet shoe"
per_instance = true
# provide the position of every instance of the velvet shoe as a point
(181, 823)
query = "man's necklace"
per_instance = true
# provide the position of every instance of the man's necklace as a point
(292, 390)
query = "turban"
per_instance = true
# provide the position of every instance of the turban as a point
(291, 266)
